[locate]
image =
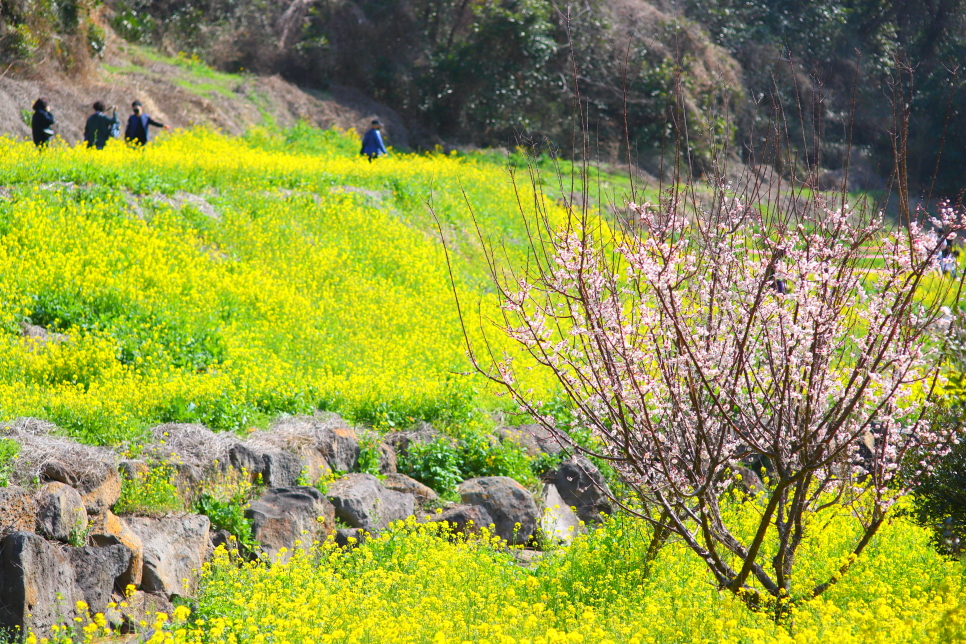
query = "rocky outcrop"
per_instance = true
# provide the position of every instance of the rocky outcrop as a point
(174, 550)
(362, 502)
(513, 510)
(464, 519)
(407, 485)
(284, 516)
(582, 487)
(37, 584)
(99, 483)
(534, 439)
(60, 512)
(107, 529)
(97, 571)
(18, 510)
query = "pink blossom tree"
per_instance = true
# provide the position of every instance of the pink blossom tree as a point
(786, 330)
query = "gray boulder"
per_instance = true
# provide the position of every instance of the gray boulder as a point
(464, 519)
(282, 469)
(402, 483)
(559, 522)
(18, 510)
(512, 508)
(60, 512)
(340, 447)
(37, 584)
(98, 481)
(107, 529)
(362, 502)
(277, 468)
(533, 438)
(174, 550)
(97, 571)
(285, 515)
(582, 487)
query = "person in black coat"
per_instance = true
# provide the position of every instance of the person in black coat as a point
(100, 127)
(137, 125)
(41, 123)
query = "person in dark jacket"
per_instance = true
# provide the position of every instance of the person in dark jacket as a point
(137, 125)
(41, 123)
(372, 145)
(100, 127)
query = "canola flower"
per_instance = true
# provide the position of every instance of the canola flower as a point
(416, 584)
(220, 280)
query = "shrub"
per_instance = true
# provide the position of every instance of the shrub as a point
(444, 463)
(227, 515)
(436, 464)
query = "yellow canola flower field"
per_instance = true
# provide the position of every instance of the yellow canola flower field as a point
(223, 280)
(413, 585)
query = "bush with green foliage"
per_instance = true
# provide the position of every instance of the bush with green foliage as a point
(445, 462)
(227, 515)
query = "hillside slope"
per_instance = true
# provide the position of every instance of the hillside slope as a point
(182, 92)
(225, 281)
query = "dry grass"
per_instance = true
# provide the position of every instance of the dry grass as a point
(39, 446)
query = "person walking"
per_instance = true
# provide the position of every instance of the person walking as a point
(372, 144)
(137, 126)
(100, 127)
(41, 123)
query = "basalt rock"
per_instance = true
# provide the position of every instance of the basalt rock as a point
(37, 585)
(582, 487)
(407, 485)
(106, 529)
(464, 519)
(362, 502)
(174, 550)
(60, 512)
(533, 438)
(513, 510)
(98, 482)
(97, 572)
(18, 510)
(284, 516)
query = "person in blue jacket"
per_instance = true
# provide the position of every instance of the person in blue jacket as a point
(41, 123)
(137, 125)
(100, 127)
(372, 145)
